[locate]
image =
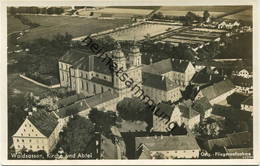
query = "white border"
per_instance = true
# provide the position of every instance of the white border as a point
(3, 82)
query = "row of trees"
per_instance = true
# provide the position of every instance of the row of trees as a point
(188, 19)
(35, 10)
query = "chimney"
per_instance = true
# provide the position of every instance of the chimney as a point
(161, 136)
(155, 137)
(210, 77)
(30, 113)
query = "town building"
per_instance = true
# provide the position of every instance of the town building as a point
(165, 117)
(247, 104)
(180, 72)
(189, 116)
(168, 147)
(203, 106)
(160, 88)
(238, 140)
(39, 131)
(217, 92)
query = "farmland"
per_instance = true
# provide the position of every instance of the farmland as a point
(244, 15)
(15, 25)
(213, 10)
(76, 26)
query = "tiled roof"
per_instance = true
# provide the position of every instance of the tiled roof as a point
(44, 121)
(236, 140)
(158, 82)
(164, 109)
(248, 101)
(72, 109)
(188, 112)
(69, 100)
(217, 89)
(167, 65)
(163, 143)
(72, 56)
(143, 153)
(221, 142)
(241, 138)
(202, 105)
(100, 98)
(85, 60)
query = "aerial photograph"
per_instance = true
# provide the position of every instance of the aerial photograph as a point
(130, 82)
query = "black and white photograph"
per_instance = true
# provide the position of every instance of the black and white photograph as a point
(126, 82)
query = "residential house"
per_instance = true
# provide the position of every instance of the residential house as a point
(165, 116)
(203, 106)
(217, 92)
(169, 147)
(160, 88)
(39, 131)
(189, 116)
(179, 72)
(234, 140)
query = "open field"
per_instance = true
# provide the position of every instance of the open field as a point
(76, 26)
(127, 11)
(15, 25)
(246, 15)
(213, 10)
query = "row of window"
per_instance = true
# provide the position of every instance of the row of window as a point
(38, 147)
(22, 140)
(28, 134)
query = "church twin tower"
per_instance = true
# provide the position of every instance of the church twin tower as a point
(130, 71)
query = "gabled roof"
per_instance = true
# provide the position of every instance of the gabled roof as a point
(72, 109)
(163, 143)
(164, 109)
(188, 112)
(44, 121)
(72, 56)
(239, 139)
(100, 98)
(217, 89)
(143, 153)
(69, 100)
(85, 60)
(158, 82)
(167, 65)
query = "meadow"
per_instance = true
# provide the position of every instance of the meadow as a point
(76, 26)
(15, 25)
(213, 10)
(246, 15)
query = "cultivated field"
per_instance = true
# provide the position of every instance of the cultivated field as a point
(182, 10)
(76, 26)
(126, 11)
(246, 15)
(14, 25)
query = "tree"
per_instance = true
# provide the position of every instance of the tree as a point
(78, 136)
(206, 15)
(133, 109)
(103, 120)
